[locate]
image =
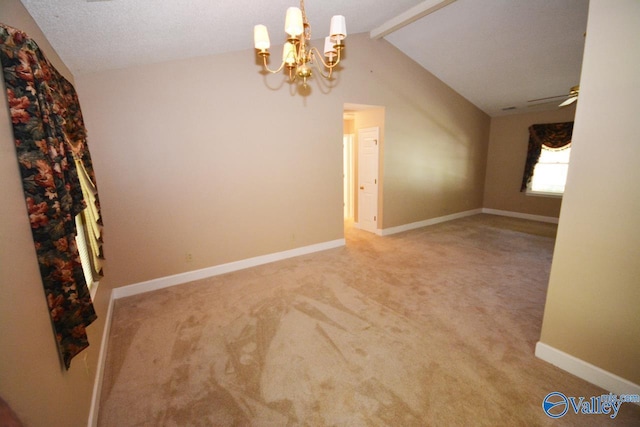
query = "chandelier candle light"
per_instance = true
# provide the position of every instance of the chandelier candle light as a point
(298, 54)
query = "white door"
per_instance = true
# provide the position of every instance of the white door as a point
(368, 178)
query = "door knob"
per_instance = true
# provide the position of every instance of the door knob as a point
(362, 188)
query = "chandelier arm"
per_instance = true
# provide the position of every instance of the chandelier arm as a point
(299, 56)
(320, 70)
(266, 67)
(316, 54)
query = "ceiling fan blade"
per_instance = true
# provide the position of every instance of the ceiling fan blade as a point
(548, 97)
(569, 101)
(542, 104)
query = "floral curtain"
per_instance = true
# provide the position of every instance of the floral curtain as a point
(551, 135)
(49, 137)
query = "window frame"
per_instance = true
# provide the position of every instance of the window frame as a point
(555, 194)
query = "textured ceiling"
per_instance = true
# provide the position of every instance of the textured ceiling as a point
(496, 53)
(94, 35)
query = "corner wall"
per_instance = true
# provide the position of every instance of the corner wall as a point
(508, 142)
(32, 379)
(435, 141)
(208, 160)
(593, 302)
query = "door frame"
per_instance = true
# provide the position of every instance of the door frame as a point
(348, 140)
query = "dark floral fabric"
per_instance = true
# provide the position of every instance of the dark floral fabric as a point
(552, 135)
(49, 131)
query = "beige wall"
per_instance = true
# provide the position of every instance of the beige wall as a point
(508, 143)
(435, 141)
(348, 126)
(32, 380)
(200, 157)
(593, 302)
(210, 158)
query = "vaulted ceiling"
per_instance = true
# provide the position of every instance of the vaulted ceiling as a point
(499, 54)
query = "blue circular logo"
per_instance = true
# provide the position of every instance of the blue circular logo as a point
(555, 404)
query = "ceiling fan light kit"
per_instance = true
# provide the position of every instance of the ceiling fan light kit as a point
(297, 54)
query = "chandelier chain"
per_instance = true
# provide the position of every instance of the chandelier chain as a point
(305, 22)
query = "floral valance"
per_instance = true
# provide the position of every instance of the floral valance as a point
(551, 135)
(49, 138)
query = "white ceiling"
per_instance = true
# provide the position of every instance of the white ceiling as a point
(501, 53)
(496, 53)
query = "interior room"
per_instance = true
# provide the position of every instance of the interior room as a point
(257, 194)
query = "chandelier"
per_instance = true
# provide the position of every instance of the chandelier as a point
(298, 55)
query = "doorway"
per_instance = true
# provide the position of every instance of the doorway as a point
(363, 143)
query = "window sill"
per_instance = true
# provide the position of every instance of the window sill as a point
(543, 194)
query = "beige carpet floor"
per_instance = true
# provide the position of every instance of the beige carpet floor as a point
(435, 326)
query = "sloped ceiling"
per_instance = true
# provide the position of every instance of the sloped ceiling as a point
(499, 54)
(496, 53)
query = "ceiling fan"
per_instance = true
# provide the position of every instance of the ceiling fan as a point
(571, 97)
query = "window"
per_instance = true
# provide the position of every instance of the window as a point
(547, 162)
(88, 236)
(85, 257)
(550, 173)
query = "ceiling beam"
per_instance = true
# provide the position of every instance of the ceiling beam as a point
(419, 11)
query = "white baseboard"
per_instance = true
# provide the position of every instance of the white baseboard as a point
(427, 222)
(433, 221)
(102, 357)
(540, 218)
(588, 372)
(178, 279)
